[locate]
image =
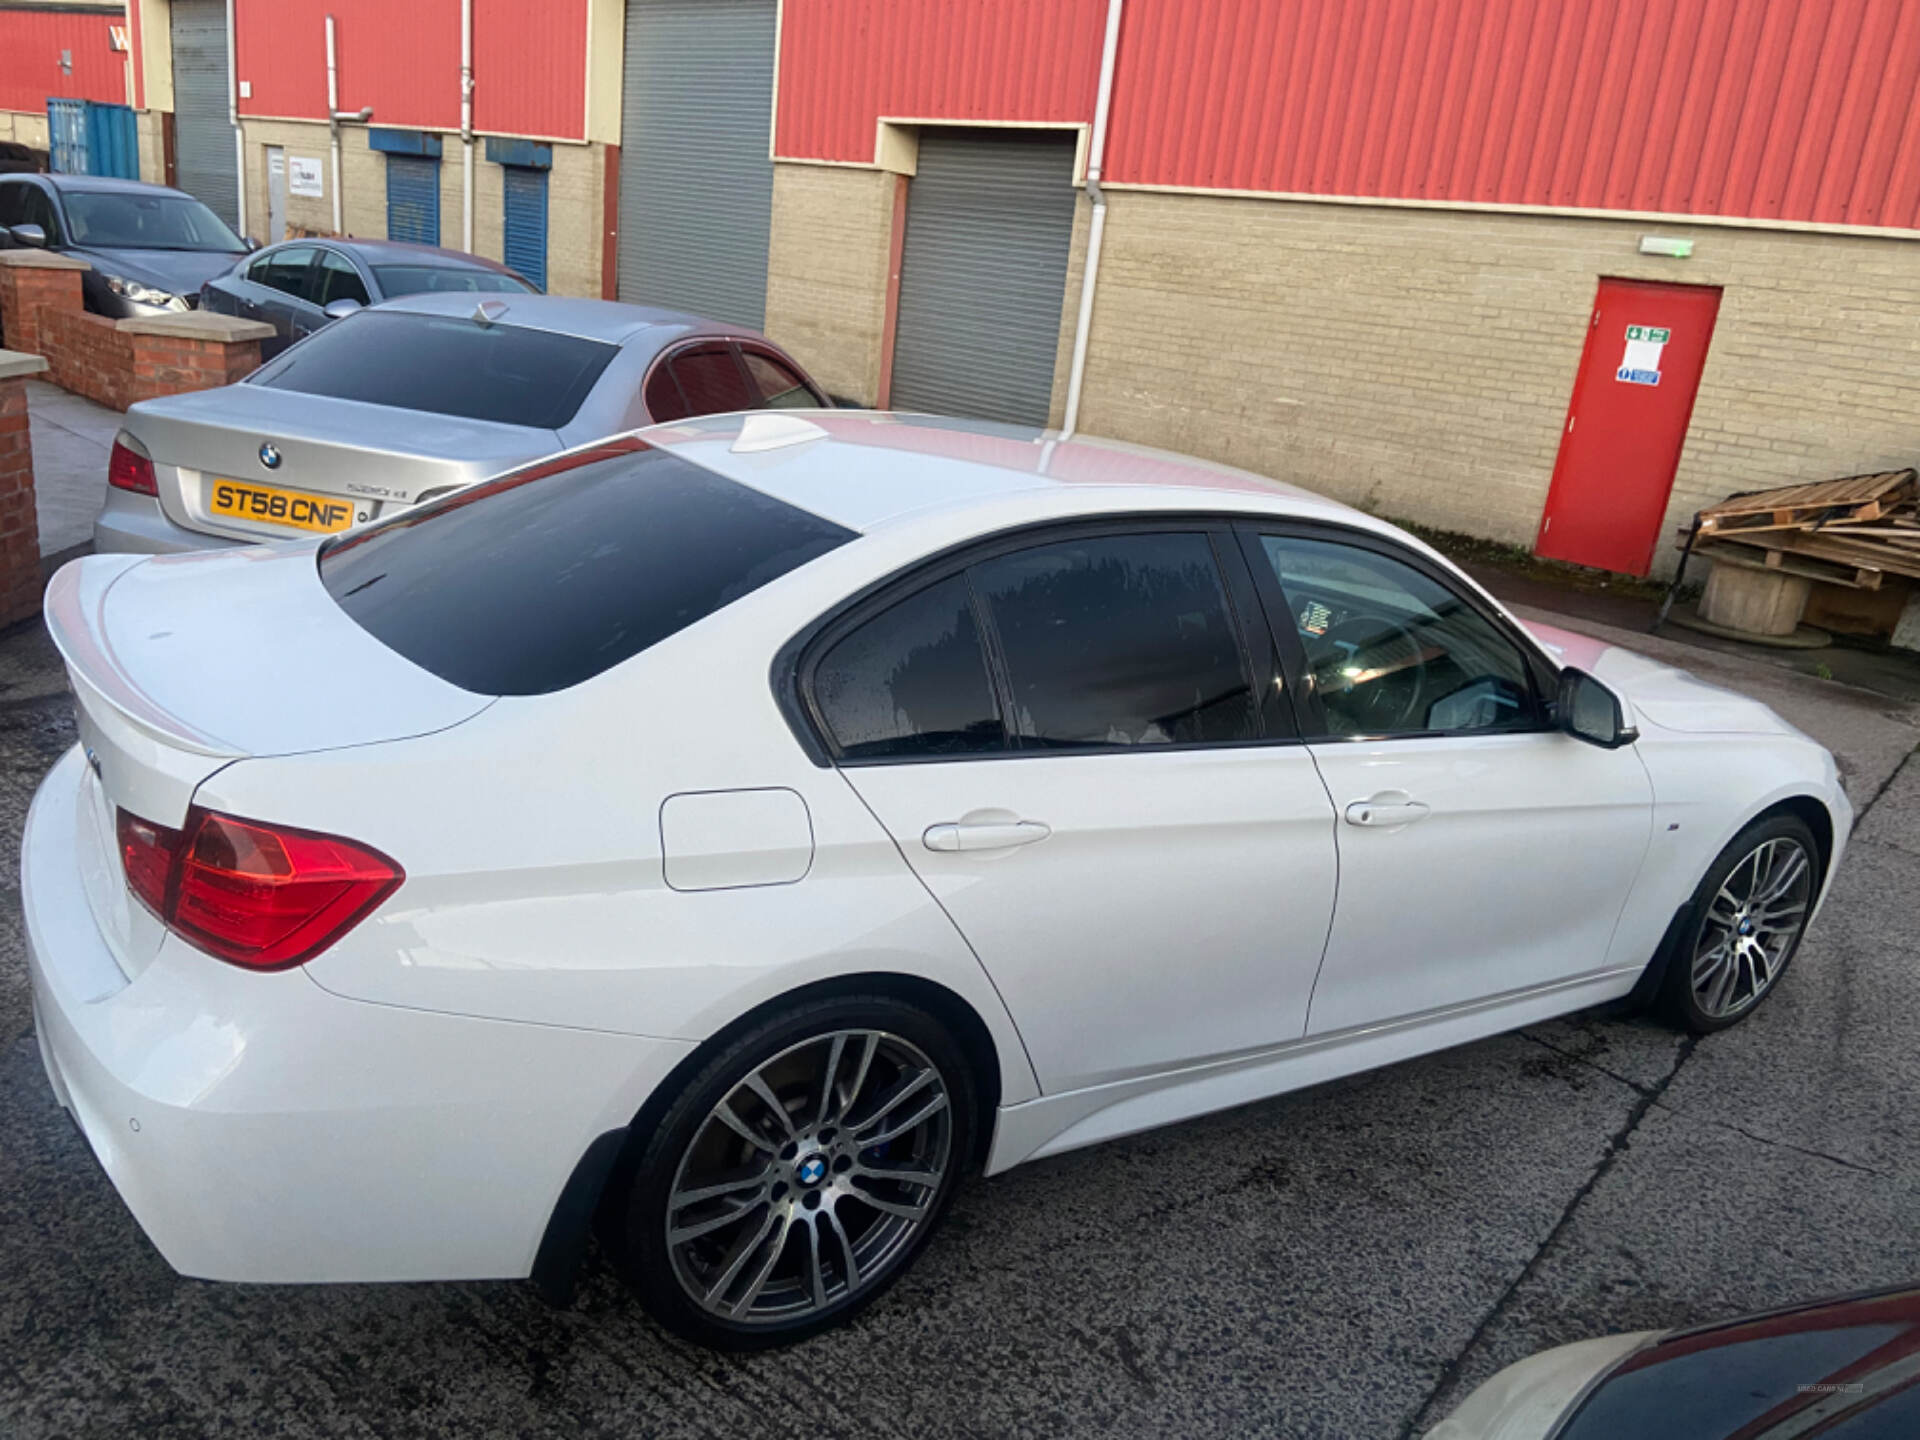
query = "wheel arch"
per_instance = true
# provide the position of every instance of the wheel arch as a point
(610, 1156)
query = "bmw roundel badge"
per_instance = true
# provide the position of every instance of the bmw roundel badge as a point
(270, 456)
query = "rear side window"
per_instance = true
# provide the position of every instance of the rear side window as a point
(1119, 640)
(446, 366)
(539, 580)
(339, 280)
(912, 681)
(711, 381)
(779, 387)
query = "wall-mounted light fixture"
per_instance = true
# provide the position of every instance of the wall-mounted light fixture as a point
(1666, 245)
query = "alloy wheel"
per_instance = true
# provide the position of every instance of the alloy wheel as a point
(1751, 925)
(808, 1181)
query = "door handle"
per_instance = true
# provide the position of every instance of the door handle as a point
(961, 836)
(1387, 811)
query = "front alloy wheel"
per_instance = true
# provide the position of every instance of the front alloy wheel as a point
(797, 1174)
(1747, 919)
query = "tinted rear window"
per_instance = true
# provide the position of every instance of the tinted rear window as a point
(537, 581)
(446, 366)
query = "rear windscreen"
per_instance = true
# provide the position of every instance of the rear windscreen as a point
(445, 366)
(542, 579)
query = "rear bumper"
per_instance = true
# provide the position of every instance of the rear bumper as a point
(262, 1129)
(135, 525)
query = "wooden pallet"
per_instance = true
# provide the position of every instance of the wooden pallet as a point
(1852, 577)
(1852, 500)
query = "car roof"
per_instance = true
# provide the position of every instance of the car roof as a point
(872, 470)
(604, 320)
(388, 252)
(77, 183)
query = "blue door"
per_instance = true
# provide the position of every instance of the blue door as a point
(525, 247)
(413, 199)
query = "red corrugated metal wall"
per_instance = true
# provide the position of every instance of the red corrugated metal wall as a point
(529, 63)
(845, 63)
(30, 46)
(1780, 109)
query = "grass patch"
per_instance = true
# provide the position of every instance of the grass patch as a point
(1471, 552)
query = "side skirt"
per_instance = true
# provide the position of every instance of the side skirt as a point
(1057, 1123)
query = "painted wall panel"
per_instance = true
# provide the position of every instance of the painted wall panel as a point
(529, 64)
(1792, 110)
(30, 46)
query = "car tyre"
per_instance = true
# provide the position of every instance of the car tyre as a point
(1743, 925)
(796, 1174)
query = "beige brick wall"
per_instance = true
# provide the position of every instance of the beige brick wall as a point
(1419, 362)
(827, 272)
(574, 191)
(1416, 362)
(150, 133)
(24, 127)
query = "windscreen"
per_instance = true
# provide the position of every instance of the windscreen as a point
(132, 220)
(544, 578)
(445, 365)
(396, 280)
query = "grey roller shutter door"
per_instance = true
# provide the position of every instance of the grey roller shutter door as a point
(983, 274)
(203, 148)
(696, 179)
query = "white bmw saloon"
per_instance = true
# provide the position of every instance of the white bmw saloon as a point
(726, 835)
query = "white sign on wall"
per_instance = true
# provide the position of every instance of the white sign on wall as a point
(1641, 364)
(303, 177)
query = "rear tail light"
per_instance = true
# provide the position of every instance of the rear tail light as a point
(128, 469)
(265, 897)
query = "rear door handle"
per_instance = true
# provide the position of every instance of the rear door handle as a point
(958, 836)
(1388, 813)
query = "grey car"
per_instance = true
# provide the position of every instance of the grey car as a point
(409, 400)
(151, 247)
(299, 285)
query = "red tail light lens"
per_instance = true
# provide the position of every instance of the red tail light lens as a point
(147, 852)
(261, 896)
(128, 469)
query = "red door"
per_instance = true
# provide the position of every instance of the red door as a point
(1631, 402)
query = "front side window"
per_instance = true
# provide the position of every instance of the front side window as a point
(286, 271)
(1119, 640)
(912, 681)
(12, 202)
(32, 207)
(1392, 651)
(445, 365)
(339, 280)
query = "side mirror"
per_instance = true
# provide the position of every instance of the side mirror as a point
(29, 235)
(6, 236)
(1589, 711)
(340, 309)
(249, 245)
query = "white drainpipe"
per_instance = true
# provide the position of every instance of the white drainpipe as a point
(333, 125)
(233, 119)
(1090, 274)
(466, 125)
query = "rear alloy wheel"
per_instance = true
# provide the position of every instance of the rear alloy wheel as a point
(795, 1177)
(1747, 919)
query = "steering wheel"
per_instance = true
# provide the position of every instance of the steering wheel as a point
(1371, 671)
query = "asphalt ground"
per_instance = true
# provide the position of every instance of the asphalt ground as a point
(1346, 1261)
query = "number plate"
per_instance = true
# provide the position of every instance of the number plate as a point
(281, 507)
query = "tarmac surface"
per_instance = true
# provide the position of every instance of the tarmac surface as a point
(1342, 1262)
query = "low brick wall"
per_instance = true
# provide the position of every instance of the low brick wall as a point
(118, 363)
(20, 579)
(29, 281)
